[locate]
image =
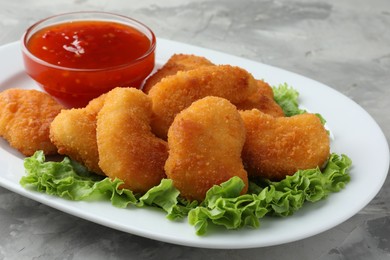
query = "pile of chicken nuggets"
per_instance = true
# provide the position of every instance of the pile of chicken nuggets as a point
(194, 122)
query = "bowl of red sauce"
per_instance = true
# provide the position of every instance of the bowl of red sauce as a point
(78, 56)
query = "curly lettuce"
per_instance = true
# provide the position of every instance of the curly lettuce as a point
(223, 204)
(287, 98)
(71, 180)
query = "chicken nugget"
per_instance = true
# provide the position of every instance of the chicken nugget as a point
(205, 144)
(73, 131)
(25, 117)
(127, 148)
(279, 146)
(178, 62)
(262, 100)
(174, 93)
(95, 105)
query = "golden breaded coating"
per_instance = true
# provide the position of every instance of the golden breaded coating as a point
(127, 148)
(205, 144)
(262, 100)
(25, 117)
(175, 93)
(73, 131)
(279, 146)
(178, 62)
(95, 105)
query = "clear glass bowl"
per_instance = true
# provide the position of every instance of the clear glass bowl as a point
(74, 87)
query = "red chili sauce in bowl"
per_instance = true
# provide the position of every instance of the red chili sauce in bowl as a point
(76, 61)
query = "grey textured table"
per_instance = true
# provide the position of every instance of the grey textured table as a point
(344, 44)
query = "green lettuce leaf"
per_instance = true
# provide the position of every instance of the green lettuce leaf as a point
(287, 98)
(164, 196)
(70, 180)
(224, 206)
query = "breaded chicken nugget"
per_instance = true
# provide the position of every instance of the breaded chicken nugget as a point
(95, 104)
(178, 62)
(73, 131)
(262, 100)
(174, 93)
(279, 146)
(205, 144)
(127, 148)
(25, 117)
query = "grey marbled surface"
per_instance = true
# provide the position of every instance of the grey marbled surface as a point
(344, 44)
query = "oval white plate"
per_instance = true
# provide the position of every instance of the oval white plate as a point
(355, 134)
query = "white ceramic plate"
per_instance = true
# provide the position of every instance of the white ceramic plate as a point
(355, 134)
